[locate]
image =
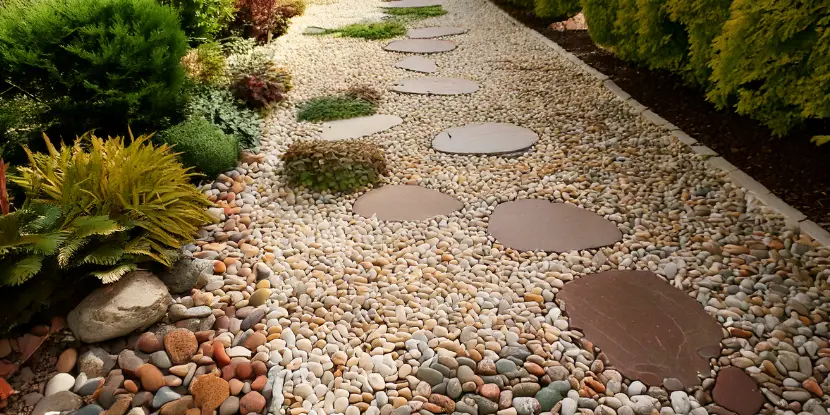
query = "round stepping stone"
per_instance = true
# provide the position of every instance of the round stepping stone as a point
(358, 127)
(435, 85)
(411, 3)
(486, 138)
(431, 32)
(649, 330)
(417, 64)
(737, 392)
(403, 202)
(314, 30)
(539, 225)
(420, 46)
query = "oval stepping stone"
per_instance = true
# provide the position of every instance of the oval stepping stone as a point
(486, 138)
(358, 127)
(649, 330)
(736, 391)
(435, 85)
(403, 202)
(411, 3)
(431, 32)
(539, 225)
(420, 46)
(417, 64)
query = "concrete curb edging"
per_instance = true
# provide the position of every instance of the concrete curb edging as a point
(792, 215)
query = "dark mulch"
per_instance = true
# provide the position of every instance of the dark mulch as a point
(791, 167)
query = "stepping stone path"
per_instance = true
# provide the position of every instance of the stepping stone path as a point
(431, 32)
(485, 138)
(403, 202)
(358, 127)
(649, 330)
(411, 3)
(435, 85)
(736, 391)
(420, 46)
(417, 64)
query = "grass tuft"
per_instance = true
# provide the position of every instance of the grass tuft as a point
(371, 31)
(335, 107)
(417, 12)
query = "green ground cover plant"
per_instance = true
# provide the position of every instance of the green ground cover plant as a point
(335, 107)
(414, 13)
(371, 31)
(339, 166)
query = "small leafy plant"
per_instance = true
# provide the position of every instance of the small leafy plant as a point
(372, 31)
(415, 13)
(205, 64)
(203, 19)
(334, 165)
(218, 106)
(335, 107)
(262, 19)
(202, 145)
(258, 81)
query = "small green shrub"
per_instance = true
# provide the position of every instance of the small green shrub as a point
(414, 13)
(203, 19)
(258, 81)
(236, 45)
(560, 9)
(334, 165)
(202, 145)
(205, 64)
(372, 31)
(218, 106)
(102, 64)
(772, 61)
(335, 107)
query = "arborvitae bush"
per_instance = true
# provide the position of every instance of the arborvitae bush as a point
(600, 16)
(563, 9)
(703, 21)
(202, 145)
(661, 43)
(772, 61)
(102, 64)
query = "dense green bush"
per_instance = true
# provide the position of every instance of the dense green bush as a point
(205, 64)
(202, 145)
(772, 61)
(344, 165)
(203, 19)
(560, 9)
(600, 16)
(20, 124)
(703, 20)
(258, 81)
(97, 64)
(335, 107)
(218, 106)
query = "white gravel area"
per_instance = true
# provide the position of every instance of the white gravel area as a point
(359, 307)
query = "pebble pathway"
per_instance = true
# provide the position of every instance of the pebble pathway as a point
(313, 308)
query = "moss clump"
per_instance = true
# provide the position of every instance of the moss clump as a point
(335, 107)
(334, 165)
(371, 31)
(417, 12)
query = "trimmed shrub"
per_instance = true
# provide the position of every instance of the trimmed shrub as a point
(202, 145)
(335, 107)
(203, 19)
(772, 61)
(218, 106)
(102, 64)
(703, 20)
(343, 166)
(660, 42)
(205, 64)
(258, 81)
(560, 9)
(600, 16)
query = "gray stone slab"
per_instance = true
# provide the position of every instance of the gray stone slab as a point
(314, 30)
(704, 151)
(417, 64)
(403, 202)
(486, 138)
(411, 3)
(539, 225)
(435, 85)
(683, 137)
(437, 31)
(358, 127)
(420, 46)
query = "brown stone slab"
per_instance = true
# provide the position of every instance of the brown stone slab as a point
(539, 225)
(432, 32)
(411, 3)
(403, 202)
(485, 138)
(736, 391)
(420, 46)
(435, 85)
(649, 330)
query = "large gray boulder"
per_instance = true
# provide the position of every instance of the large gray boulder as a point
(136, 301)
(185, 274)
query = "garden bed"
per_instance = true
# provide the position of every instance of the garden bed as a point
(792, 167)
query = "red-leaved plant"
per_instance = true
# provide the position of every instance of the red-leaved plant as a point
(266, 18)
(4, 196)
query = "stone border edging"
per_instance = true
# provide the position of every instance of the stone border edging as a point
(792, 215)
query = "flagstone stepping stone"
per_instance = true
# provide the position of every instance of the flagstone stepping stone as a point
(420, 46)
(411, 3)
(435, 85)
(649, 330)
(417, 64)
(431, 32)
(737, 392)
(404, 202)
(485, 138)
(314, 30)
(358, 127)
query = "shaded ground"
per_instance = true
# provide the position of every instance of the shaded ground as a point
(791, 167)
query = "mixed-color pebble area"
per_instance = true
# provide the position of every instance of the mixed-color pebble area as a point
(653, 284)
